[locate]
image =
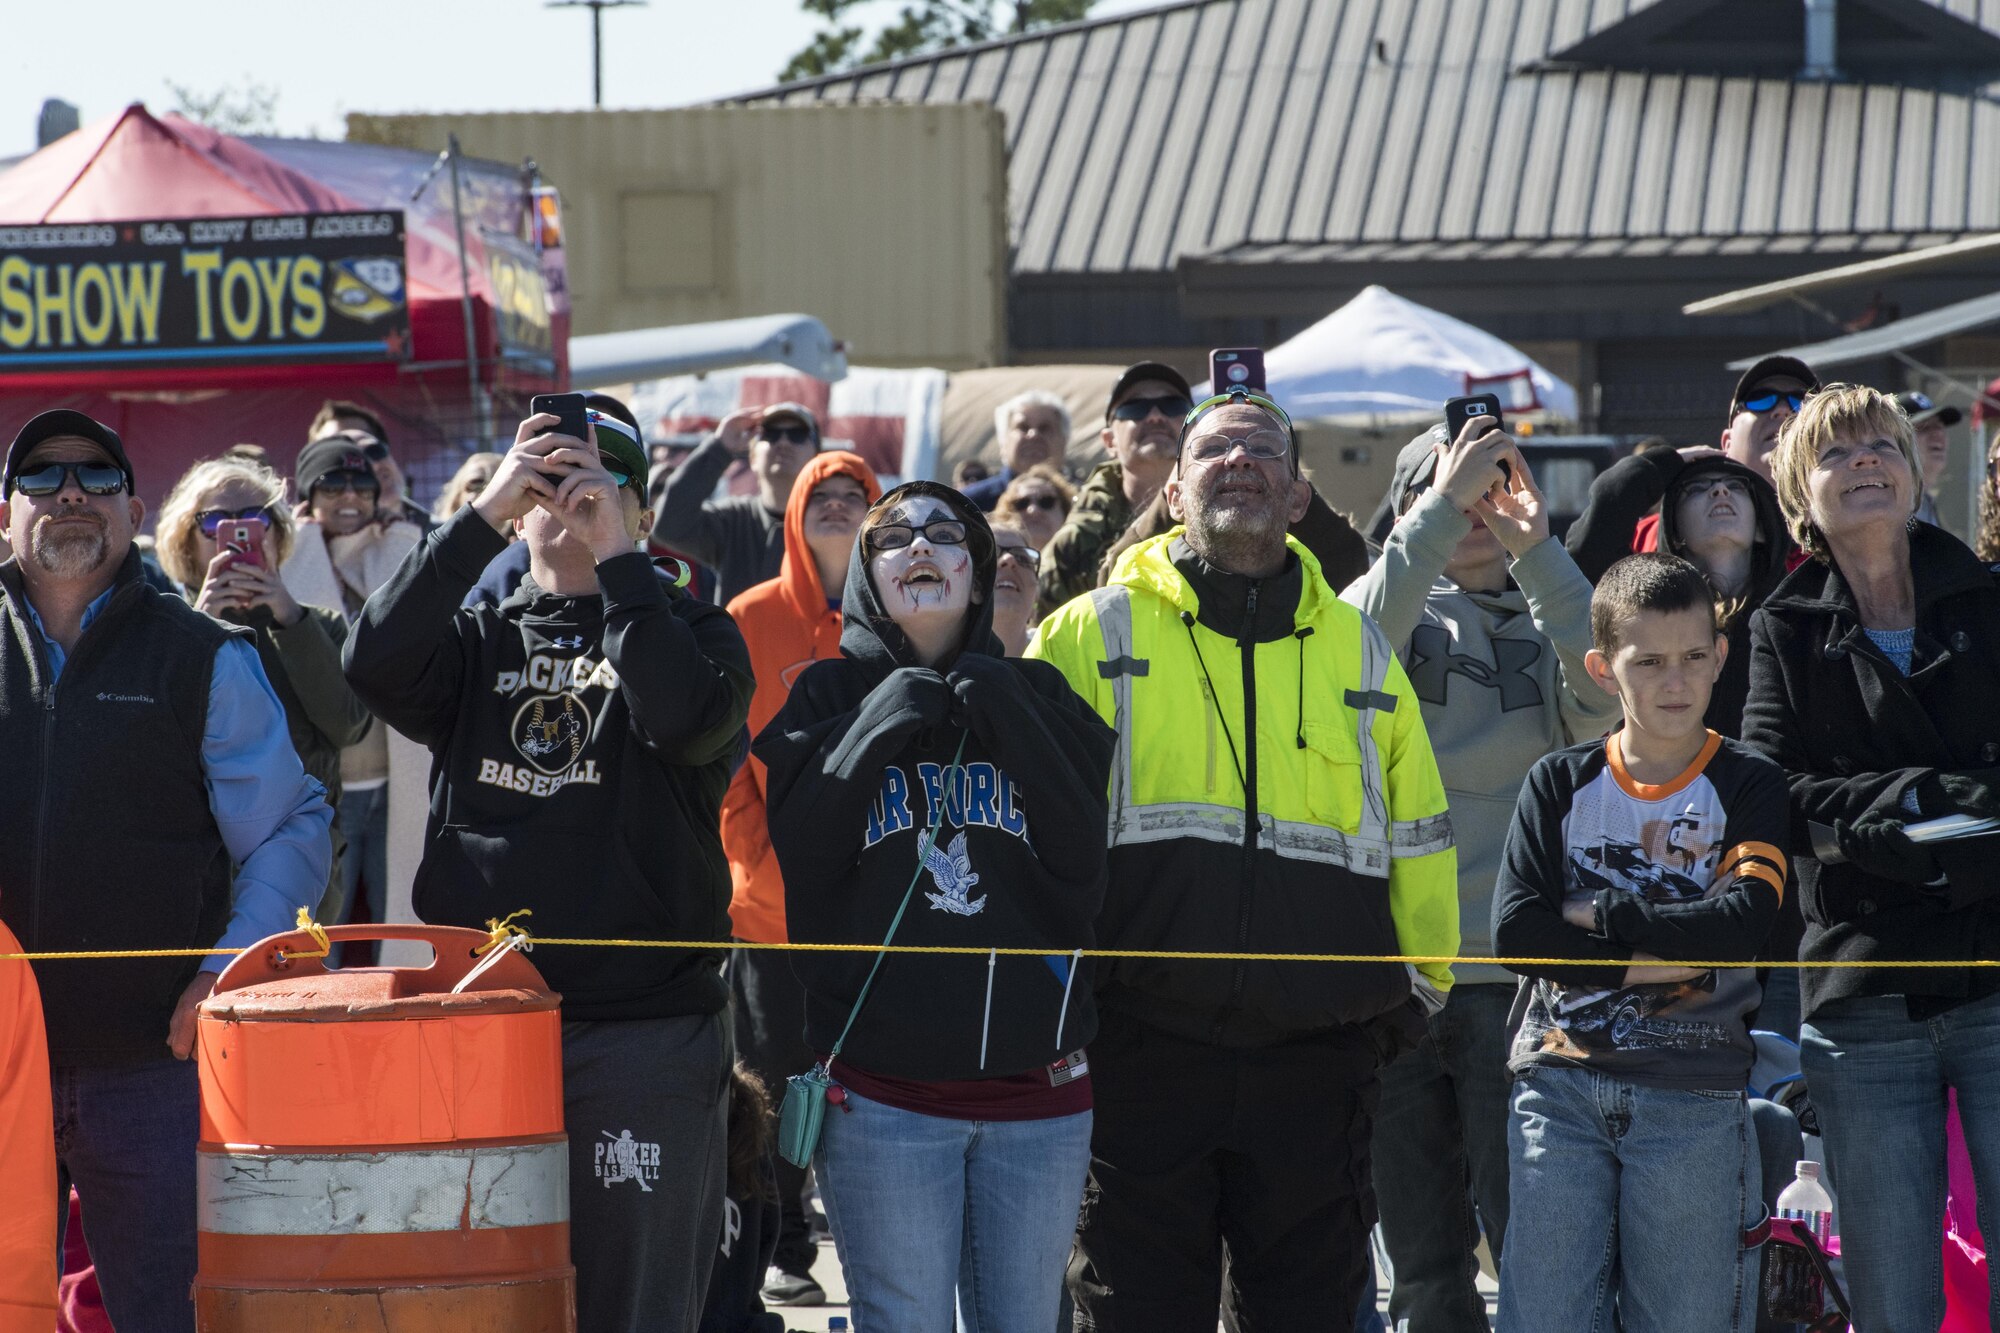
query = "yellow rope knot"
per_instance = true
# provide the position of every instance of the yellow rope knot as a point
(502, 929)
(318, 933)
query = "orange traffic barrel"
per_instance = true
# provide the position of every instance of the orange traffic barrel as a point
(382, 1148)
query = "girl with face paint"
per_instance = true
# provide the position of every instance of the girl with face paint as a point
(962, 1090)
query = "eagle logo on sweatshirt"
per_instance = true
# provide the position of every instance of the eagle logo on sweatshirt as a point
(951, 870)
(550, 731)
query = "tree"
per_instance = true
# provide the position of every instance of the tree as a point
(923, 26)
(250, 109)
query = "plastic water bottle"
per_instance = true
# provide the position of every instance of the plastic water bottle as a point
(1792, 1289)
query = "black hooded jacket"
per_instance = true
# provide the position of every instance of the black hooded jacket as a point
(857, 759)
(1629, 490)
(580, 747)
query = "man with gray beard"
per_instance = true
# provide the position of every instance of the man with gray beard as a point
(153, 801)
(1273, 792)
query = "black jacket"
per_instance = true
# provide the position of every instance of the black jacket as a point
(580, 749)
(1629, 490)
(856, 759)
(1853, 734)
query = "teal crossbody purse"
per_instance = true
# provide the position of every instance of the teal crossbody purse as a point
(802, 1115)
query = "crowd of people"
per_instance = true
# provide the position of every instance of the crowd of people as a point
(1183, 708)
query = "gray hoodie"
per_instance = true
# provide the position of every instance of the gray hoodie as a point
(1495, 697)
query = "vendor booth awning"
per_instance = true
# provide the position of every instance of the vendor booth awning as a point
(1382, 356)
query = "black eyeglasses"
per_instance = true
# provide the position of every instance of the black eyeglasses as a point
(49, 479)
(1764, 402)
(786, 434)
(1024, 555)
(348, 483)
(938, 532)
(1173, 408)
(211, 520)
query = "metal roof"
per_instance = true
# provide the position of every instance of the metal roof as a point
(1898, 336)
(1207, 125)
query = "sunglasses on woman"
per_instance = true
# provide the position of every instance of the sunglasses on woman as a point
(49, 478)
(1048, 502)
(211, 520)
(348, 483)
(1026, 556)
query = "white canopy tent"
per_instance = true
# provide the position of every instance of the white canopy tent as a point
(1383, 357)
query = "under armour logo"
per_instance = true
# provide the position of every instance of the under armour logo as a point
(566, 641)
(1432, 661)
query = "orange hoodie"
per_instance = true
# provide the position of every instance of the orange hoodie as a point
(788, 625)
(27, 1154)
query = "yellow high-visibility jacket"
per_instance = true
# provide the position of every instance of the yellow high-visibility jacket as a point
(1316, 733)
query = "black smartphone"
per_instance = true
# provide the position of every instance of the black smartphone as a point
(567, 406)
(1236, 367)
(1458, 411)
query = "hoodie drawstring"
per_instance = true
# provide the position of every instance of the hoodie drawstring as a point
(1215, 700)
(1301, 636)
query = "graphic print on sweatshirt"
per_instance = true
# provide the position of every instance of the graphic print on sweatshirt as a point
(983, 796)
(551, 724)
(1512, 671)
(1667, 850)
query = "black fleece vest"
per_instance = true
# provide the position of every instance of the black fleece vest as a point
(106, 838)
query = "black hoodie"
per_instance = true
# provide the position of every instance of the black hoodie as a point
(1626, 492)
(856, 760)
(580, 747)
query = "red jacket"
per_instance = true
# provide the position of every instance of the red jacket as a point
(788, 625)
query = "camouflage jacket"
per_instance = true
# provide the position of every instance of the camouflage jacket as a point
(1097, 519)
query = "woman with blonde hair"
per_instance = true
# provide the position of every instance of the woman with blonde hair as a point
(223, 533)
(465, 485)
(1037, 502)
(1873, 671)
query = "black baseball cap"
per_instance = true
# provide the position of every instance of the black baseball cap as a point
(63, 421)
(1919, 408)
(1146, 370)
(1772, 368)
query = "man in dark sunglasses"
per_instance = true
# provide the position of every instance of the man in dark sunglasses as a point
(741, 537)
(152, 800)
(1769, 394)
(1142, 431)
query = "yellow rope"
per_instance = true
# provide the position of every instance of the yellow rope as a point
(501, 930)
(318, 933)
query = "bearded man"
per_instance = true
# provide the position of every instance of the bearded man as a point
(153, 801)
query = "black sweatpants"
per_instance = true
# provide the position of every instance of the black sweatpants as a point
(1201, 1152)
(769, 1005)
(646, 1104)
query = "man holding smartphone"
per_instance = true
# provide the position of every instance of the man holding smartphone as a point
(581, 734)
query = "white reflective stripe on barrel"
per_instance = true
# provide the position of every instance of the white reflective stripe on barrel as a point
(362, 1193)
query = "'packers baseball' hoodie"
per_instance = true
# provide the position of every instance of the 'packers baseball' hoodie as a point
(858, 761)
(580, 747)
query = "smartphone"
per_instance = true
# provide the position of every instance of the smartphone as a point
(1458, 411)
(569, 407)
(245, 541)
(1231, 367)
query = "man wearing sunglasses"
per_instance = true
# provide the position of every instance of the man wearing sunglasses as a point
(153, 801)
(1142, 425)
(581, 736)
(741, 537)
(1273, 792)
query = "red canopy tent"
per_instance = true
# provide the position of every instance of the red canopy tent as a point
(135, 166)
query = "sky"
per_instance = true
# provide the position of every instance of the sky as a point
(326, 59)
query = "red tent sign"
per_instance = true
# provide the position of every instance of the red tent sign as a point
(285, 288)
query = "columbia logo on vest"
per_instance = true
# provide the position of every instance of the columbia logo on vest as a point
(105, 697)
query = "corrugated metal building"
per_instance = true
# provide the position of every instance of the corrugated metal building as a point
(707, 213)
(1566, 173)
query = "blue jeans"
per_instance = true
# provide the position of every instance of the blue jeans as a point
(363, 817)
(125, 1137)
(1878, 1080)
(1627, 1196)
(931, 1214)
(1441, 1161)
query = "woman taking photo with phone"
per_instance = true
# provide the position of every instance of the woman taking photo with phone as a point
(925, 789)
(223, 533)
